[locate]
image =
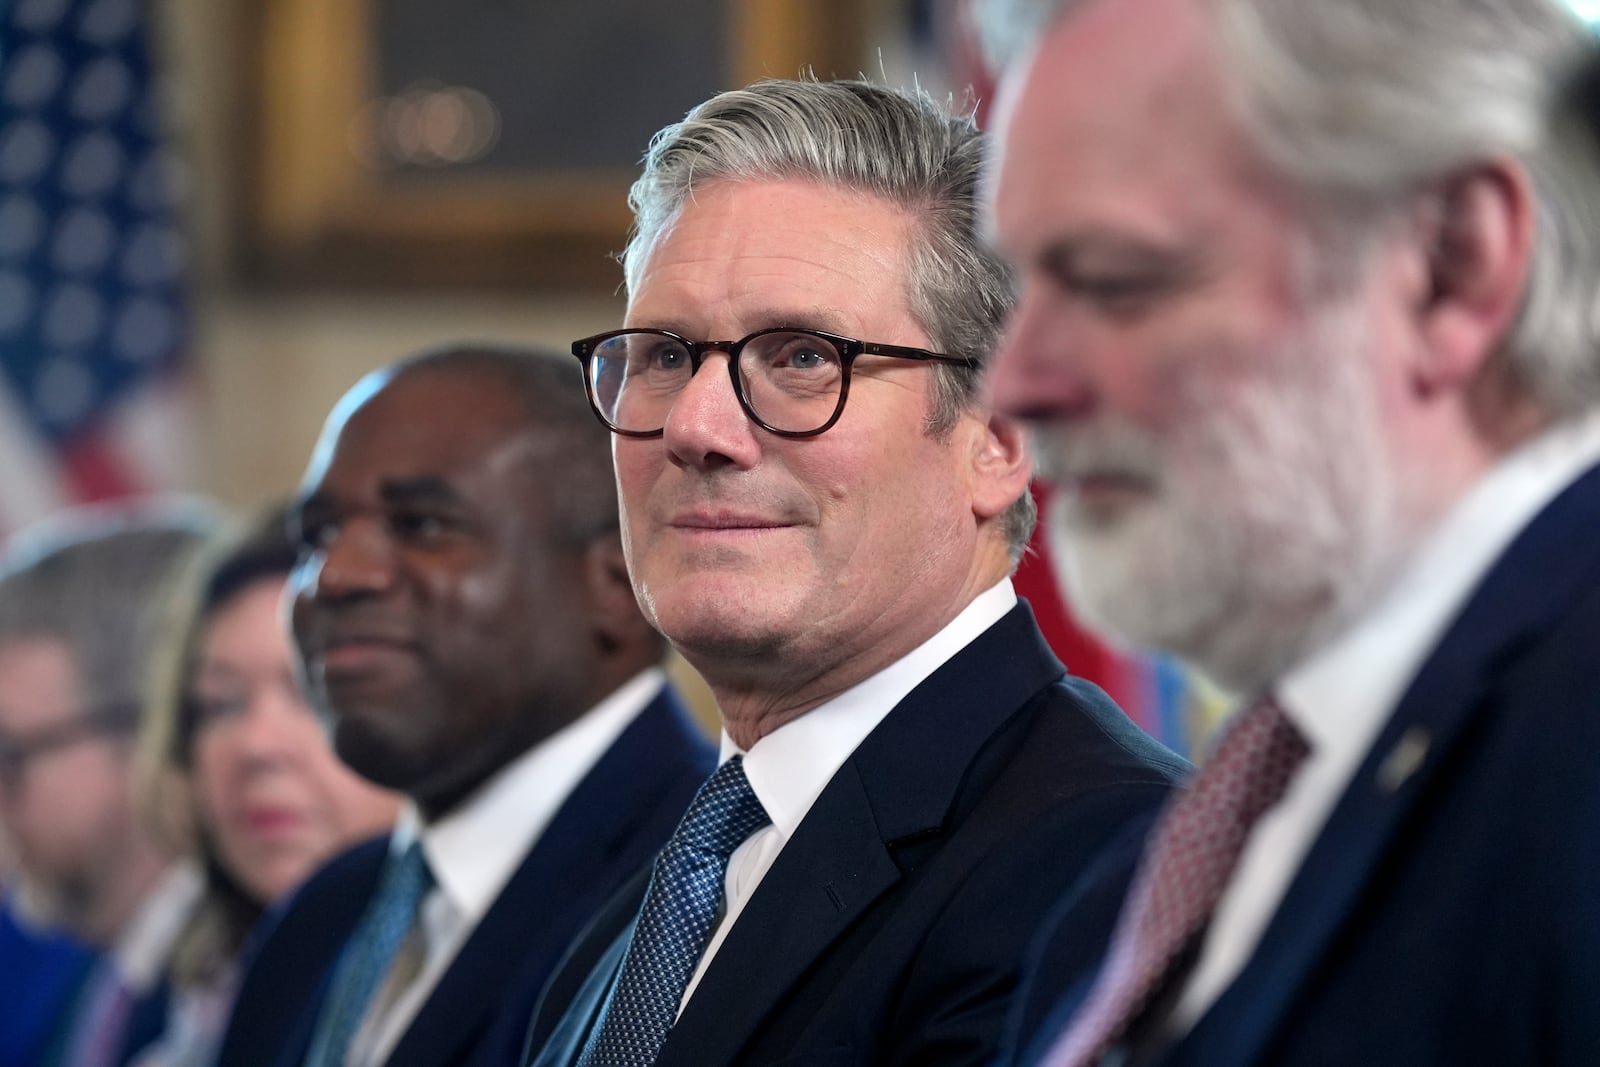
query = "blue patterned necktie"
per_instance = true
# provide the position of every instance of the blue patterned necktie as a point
(369, 954)
(680, 908)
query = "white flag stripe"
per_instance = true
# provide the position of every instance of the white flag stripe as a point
(31, 483)
(152, 431)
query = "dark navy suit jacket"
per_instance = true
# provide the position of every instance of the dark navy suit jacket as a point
(1449, 911)
(611, 825)
(891, 928)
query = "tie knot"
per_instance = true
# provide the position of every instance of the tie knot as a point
(724, 812)
(1253, 760)
(408, 877)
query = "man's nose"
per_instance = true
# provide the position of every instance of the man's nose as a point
(359, 559)
(1038, 373)
(707, 426)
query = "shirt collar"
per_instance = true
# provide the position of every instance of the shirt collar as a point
(141, 949)
(789, 767)
(474, 850)
(1340, 696)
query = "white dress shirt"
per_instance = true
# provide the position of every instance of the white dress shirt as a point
(1341, 695)
(144, 947)
(475, 849)
(789, 767)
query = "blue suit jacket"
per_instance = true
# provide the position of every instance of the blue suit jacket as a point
(610, 826)
(145, 1024)
(1449, 911)
(891, 928)
(39, 974)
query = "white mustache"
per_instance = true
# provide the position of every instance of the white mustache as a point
(1117, 449)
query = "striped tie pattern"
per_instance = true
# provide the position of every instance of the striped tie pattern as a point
(680, 909)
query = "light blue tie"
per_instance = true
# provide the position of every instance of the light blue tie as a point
(680, 908)
(368, 955)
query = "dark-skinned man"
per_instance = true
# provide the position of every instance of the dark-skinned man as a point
(465, 620)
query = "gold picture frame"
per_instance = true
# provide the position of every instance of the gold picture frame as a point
(311, 215)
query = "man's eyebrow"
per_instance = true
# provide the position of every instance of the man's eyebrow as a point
(1097, 247)
(420, 489)
(815, 317)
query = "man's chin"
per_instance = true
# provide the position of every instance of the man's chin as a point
(382, 751)
(34, 906)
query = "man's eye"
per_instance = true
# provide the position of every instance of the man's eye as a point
(806, 358)
(1115, 290)
(1118, 295)
(803, 353)
(418, 525)
(670, 357)
(315, 535)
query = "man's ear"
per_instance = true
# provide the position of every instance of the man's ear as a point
(605, 574)
(1476, 239)
(1002, 465)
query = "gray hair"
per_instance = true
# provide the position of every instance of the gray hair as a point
(92, 578)
(901, 146)
(1362, 103)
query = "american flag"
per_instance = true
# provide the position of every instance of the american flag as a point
(92, 260)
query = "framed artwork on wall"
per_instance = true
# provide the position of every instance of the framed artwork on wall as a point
(406, 144)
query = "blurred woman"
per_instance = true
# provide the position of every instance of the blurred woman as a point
(267, 800)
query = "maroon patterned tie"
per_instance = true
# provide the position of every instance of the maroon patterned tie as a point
(1184, 872)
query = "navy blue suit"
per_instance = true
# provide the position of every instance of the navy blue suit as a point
(1451, 914)
(610, 826)
(891, 927)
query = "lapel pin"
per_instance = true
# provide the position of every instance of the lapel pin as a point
(1404, 759)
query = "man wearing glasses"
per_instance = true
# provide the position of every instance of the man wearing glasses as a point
(822, 517)
(75, 607)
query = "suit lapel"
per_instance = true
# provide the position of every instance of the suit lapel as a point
(551, 894)
(323, 922)
(823, 879)
(565, 1042)
(897, 788)
(1525, 592)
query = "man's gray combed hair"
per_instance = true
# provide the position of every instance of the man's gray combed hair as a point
(1362, 103)
(92, 578)
(903, 146)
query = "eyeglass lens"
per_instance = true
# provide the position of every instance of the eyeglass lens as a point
(790, 379)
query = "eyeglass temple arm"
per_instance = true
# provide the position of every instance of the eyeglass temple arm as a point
(901, 352)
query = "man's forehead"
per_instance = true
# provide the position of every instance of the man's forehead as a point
(414, 429)
(1108, 53)
(1106, 108)
(752, 253)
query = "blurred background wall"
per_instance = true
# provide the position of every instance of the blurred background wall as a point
(313, 262)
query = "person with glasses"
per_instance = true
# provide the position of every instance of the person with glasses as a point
(78, 597)
(821, 514)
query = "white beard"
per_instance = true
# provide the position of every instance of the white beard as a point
(1273, 512)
